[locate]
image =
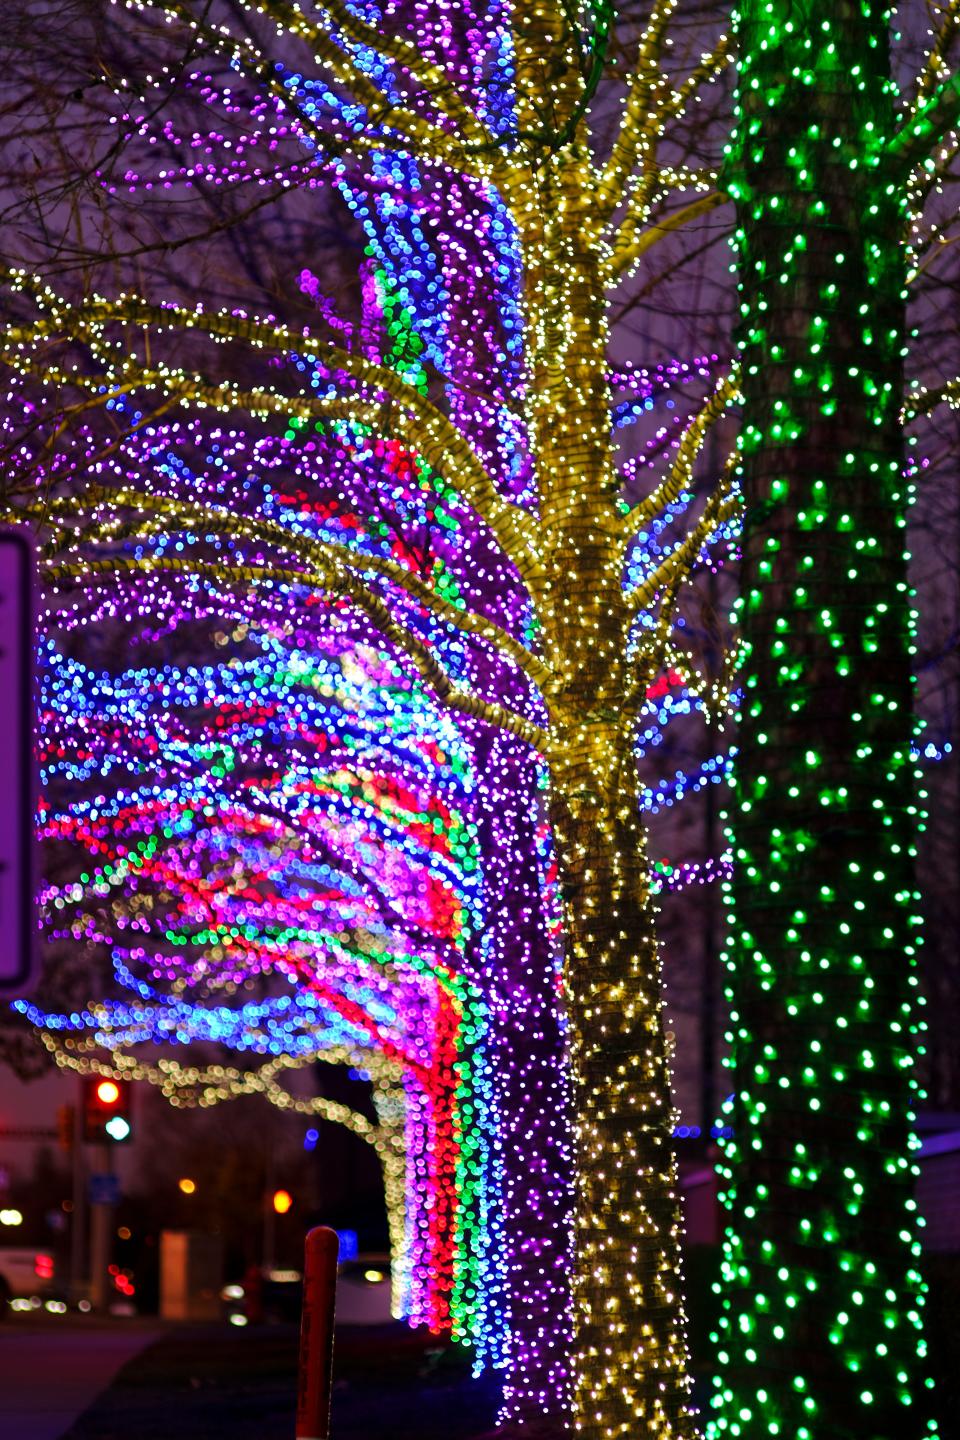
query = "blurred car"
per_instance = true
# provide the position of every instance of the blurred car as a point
(27, 1275)
(363, 1291)
(276, 1296)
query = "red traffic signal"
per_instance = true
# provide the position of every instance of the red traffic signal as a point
(106, 1110)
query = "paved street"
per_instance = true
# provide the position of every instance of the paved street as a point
(77, 1380)
(74, 1379)
(52, 1370)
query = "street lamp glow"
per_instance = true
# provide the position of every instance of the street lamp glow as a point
(187, 1185)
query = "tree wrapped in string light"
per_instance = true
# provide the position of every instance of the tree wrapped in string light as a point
(274, 820)
(821, 1332)
(574, 665)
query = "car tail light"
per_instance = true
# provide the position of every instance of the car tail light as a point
(43, 1267)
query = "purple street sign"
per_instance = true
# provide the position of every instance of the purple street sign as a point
(17, 926)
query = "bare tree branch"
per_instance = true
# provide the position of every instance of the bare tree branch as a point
(631, 246)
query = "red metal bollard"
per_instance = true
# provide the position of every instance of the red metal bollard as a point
(316, 1334)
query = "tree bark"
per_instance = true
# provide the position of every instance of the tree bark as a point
(630, 1354)
(821, 1330)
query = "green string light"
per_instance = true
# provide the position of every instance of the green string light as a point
(821, 1332)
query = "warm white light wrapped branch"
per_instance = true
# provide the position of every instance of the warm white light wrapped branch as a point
(681, 471)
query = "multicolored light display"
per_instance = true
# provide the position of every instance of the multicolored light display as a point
(289, 820)
(543, 617)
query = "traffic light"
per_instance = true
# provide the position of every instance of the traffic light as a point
(282, 1201)
(66, 1126)
(106, 1110)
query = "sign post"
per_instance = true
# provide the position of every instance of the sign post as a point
(17, 924)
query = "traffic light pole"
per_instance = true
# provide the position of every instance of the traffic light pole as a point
(78, 1219)
(101, 1231)
(269, 1216)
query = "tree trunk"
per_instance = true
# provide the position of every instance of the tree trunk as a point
(630, 1370)
(630, 1358)
(821, 1331)
(532, 1092)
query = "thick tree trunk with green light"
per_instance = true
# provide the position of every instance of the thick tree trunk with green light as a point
(821, 1334)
